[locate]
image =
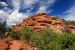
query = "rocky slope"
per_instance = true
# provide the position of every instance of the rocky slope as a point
(42, 21)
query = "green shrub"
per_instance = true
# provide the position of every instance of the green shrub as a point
(66, 40)
(41, 39)
(1, 36)
(14, 35)
(53, 45)
(26, 34)
(2, 29)
(69, 22)
(54, 18)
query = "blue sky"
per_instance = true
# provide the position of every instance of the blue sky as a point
(14, 11)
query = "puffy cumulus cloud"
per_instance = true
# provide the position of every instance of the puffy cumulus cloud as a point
(44, 5)
(30, 2)
(15, 18)
(3, 4)
(70, 14)
(42, 9)
(3, 15)
(12, 18)
(16, 4)
(4, 12)
(39, 3)
(24, 4)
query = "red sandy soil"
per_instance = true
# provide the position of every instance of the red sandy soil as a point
(15, 45)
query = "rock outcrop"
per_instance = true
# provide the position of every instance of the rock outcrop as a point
(41, 21)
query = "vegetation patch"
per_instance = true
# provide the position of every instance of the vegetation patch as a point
(47, 40)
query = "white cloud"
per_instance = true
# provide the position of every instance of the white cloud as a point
(15, 18)
(44, 5)
(3, 4)
(26, 3)
(3, 15)
(70, 14)
(30, 2)
(16, 4)
(50, 1)
(42, 9)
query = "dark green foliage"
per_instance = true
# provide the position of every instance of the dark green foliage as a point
(30, 16)
(66, 40)
(26, 34)
(1, 36)
(42, 39)
(54, 18)
(14, 35)
(2, 29)
(53, 45)
(69, 22)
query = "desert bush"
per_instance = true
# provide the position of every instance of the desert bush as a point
(1, 36)
(42, 39)
(26, 34)
(14, 35)
(66, 40)
(2, 29)
(69, 22)
(53, 45)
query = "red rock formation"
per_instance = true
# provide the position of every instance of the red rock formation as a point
(71, 28)
(41, 21)
(40, 14)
